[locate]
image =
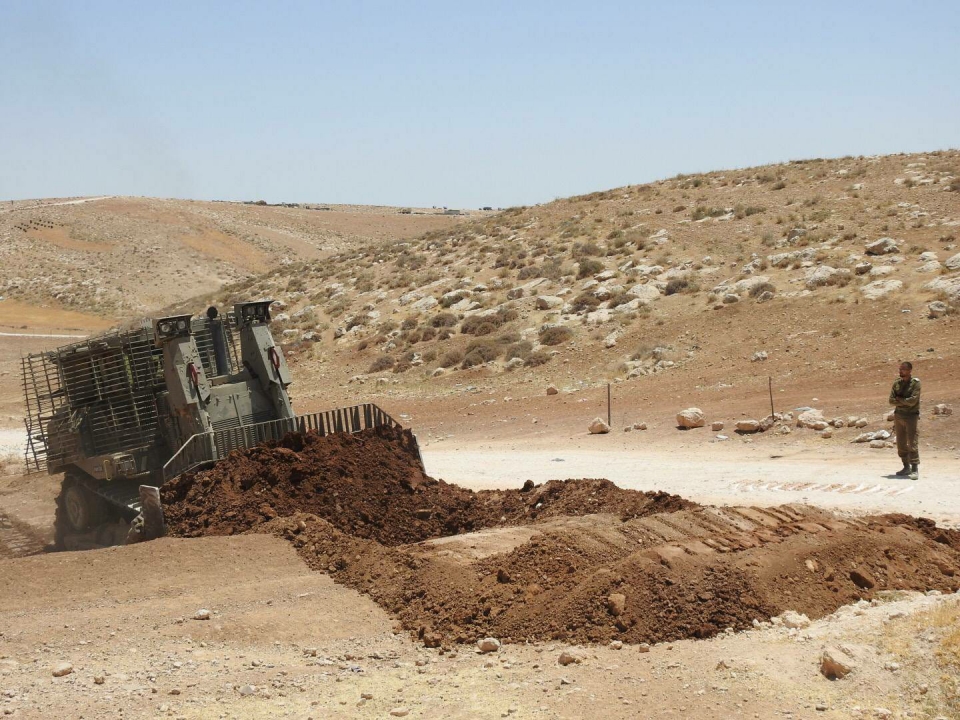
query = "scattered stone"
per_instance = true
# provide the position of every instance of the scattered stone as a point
(400, 712)
(616, 645)
(759, 356)
(99, 679)
(599, 427)
(645, 293)
(883, 246)
(942, 409)
(836, 664)
(201, 614)
(639, 426)
(793, 619)
(730, 298)
(616, 604)
(862, 579)
(953, 263)
(810, 418)
(826, 434)
(716, 425)
(572, 656)
(488, 645)
(552, 390)
(937, 309)
(862, 268)
(62, 669)
(748, 426)
(691, 418)
(643, 647)
(880, 288)
(549, 302)
(825, 275)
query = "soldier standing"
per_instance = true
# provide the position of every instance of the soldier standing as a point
(905, 397)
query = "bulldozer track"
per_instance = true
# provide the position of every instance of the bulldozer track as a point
(17, 539)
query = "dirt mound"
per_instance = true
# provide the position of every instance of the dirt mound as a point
(575, 560)
(692, 573)
(371, 485)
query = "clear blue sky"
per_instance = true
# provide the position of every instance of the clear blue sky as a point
(456, 104)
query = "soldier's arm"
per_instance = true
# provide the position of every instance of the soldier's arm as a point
(893, 394)
(912, 401)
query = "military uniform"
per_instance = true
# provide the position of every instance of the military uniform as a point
(905, 396)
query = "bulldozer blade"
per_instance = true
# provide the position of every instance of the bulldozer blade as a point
(152, 512)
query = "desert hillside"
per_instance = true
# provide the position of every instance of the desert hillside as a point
(814, 276)
(119, 256)
(819, 272)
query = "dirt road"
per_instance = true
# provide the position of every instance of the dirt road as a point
(724, 474)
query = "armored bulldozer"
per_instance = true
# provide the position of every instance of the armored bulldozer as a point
(124, 412)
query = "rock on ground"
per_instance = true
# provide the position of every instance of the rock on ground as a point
(488, 645)
(691, 418)
(599, 427)
(836, 664)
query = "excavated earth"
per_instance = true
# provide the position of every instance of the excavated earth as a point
(573, 560)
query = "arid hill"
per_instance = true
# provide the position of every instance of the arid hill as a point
(125, 256)
(828, 269)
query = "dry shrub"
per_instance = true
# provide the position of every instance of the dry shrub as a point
(536, 359)
(679, 285)
(584, 301)
(384, 362)
(555, 335)
(443, 320)
(520, 349)
(478, 326)
(585, 250)
(479, 352)
(486, 324)
(619, 298)
(588, 267)
(451, 358)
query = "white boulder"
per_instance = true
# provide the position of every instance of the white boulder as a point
(691, 418)
(599, 427)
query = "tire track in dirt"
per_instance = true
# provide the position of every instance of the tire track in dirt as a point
(17, 539)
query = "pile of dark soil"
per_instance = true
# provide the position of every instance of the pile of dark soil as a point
(575, 560)
(371, 485)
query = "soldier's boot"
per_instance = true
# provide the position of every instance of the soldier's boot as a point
(914, 471)
(904, 471)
